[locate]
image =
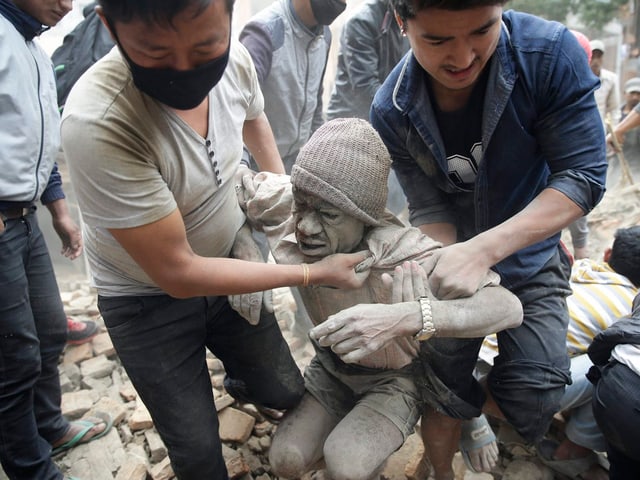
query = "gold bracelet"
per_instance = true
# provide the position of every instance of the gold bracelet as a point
(305, 274)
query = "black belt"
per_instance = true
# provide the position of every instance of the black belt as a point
(13, 213)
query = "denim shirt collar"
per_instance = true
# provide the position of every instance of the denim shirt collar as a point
(411, 91)
(28, 26)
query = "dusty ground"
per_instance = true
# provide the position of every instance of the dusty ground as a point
(105, 458)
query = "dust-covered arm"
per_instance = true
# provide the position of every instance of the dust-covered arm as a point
(358, 331)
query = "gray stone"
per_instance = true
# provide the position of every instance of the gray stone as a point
(526, 470)
(97, 367)
(157, 449)
(235, 426)
(76, 404)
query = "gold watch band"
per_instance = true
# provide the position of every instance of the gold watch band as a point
(428, 329)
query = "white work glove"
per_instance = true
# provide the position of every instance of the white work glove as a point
(249, 305)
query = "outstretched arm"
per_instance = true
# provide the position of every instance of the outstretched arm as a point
(631, 121)
(182, 273)
(458, 270)
(358, 331)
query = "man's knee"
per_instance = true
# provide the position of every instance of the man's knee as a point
(287, 461)
(344, 465)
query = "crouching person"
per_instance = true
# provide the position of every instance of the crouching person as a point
(364, 394)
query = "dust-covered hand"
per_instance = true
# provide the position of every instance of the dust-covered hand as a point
(358, 331)
(249, 305)
(456, 271)
(244, 185)
(342, 270)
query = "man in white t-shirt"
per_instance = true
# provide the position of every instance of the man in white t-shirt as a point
(153, 135)
(608, 95)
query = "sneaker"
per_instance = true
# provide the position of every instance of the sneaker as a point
(79, 332)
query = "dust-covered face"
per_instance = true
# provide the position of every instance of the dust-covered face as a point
(322, 229)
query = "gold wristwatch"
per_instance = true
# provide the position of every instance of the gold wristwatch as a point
(428, 329)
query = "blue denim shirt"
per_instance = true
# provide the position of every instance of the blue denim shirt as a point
(540, 129)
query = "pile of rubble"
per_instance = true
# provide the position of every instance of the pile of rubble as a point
(93, 379)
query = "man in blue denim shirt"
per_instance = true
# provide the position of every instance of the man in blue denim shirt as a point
(496, 139)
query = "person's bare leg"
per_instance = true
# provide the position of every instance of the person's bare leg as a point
(490, 406)
(440, 435)
(568, 450)
(299, 439)
(360, 444)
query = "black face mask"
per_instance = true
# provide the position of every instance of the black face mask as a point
(179, 89)
(326, 11)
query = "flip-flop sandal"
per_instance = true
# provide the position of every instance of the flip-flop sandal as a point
(571, 468)
(475, 434)
(86, 425)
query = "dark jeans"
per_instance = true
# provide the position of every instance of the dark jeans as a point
(616, 407)
(161, 342)
(530, 373)
(33, 332)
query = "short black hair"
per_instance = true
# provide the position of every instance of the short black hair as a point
(409, 8)
(625, 253)
(160, 12)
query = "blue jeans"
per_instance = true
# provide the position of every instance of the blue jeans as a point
(581, 427)
(33, 332)
(162, 344)
(529, 375)
(616, 407)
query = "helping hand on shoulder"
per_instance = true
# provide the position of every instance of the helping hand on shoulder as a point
(358, 331)
(456, 271)
(341, 270)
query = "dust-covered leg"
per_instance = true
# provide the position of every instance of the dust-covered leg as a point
(360, 444)
(298, 441)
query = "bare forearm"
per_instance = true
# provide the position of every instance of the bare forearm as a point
(227, 276)
(258, 138)
(546, 215)
(368, 327)
(630, 122)
(58, 209)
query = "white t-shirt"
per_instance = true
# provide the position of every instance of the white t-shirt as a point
(133, 161)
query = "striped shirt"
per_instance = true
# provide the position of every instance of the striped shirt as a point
(600, 297)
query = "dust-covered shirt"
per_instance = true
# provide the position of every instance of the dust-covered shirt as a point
(270, 207)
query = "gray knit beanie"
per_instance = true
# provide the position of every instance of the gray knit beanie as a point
(346, 164)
